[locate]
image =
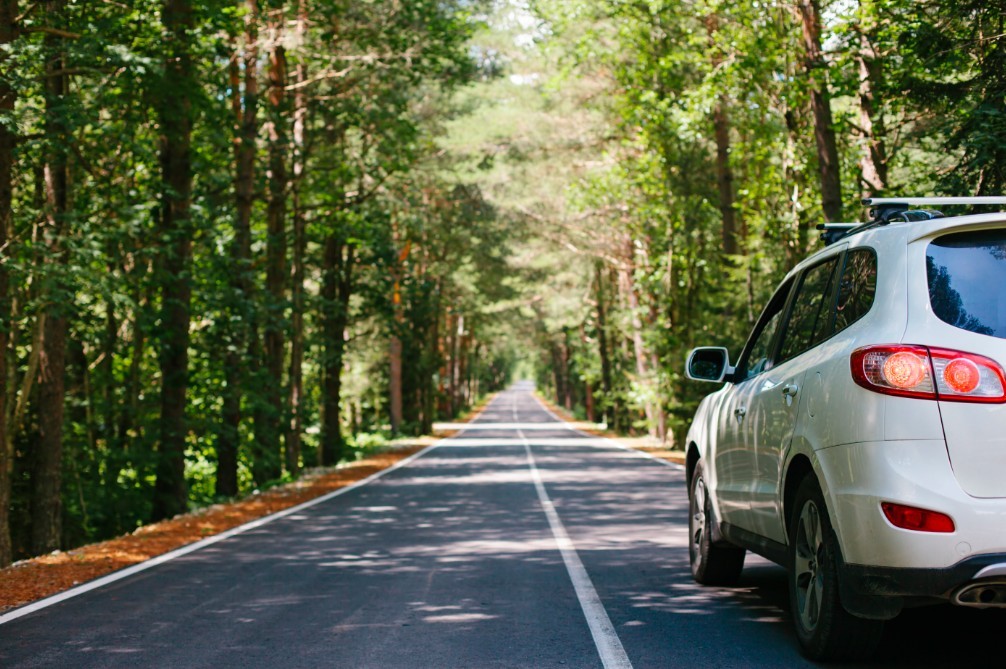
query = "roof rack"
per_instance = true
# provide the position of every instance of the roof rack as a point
(885, 210)
(832, 232)
(928, 201)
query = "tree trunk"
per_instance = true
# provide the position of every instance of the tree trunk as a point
(627, 285)
(245, 109)
(395, 382)
(336, 290)
(816, 69)
(8, 140)
(170, 494)
(295, 391)
(47, 466)
(873, 161)
(451, 350)
(429, 407)
(276, 271)
(107, 368)
(131, 402)
(721, 131)
(603, 348)
(725, 177)
(588, 386)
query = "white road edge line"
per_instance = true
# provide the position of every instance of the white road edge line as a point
(609, 646)
(642, 454)
(209, 541)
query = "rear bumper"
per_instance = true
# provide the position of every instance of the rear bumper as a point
(884, 568)
(881, 592)
(856, 478)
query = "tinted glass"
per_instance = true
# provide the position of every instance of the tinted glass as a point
(967, 273)
(758, 356)
(857, 288)
(810, 320)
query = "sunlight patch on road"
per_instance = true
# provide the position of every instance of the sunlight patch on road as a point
(459, 618)
(495, 442)
(526, 427)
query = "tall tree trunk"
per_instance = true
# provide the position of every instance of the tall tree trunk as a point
(588, 384)
(336, 290)
(170, 494)
(276, 248)
(131, 402)
(47, 467)
(107, 367)
(873, 160)
(295, 390)
(603, 347)
(142, 298)
(451, 349)
(245, 109)
(567, 380)
(816, 69)
(627, 285)
(721, 131)
(395, 381)
(395, 343)
(725, 177)
(8, 140)
(433, 342)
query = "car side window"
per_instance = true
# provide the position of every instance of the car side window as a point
(757, 356)
(857, 288)
(810, 320)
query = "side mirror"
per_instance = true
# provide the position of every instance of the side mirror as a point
(708, 363)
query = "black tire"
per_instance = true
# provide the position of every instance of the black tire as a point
(711, 564)
(827, 632)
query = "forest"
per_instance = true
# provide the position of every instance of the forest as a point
(241, 238)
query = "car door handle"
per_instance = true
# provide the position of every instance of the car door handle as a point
(790, 390)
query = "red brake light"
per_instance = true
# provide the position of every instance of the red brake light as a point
(961, 375)
(920, 520)
(929, 373)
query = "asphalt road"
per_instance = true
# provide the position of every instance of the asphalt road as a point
(518, 543)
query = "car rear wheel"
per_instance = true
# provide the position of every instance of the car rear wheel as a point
(711, 564)
(825, 629)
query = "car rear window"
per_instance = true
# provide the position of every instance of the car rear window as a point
(966, 273)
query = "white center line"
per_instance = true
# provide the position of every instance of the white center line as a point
(609, 646)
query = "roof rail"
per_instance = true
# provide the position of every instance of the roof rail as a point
(928, 201)
(832, 232)
(884, 210)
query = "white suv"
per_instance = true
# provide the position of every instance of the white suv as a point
(860, 438)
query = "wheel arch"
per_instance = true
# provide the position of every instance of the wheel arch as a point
(691, 461)
(799, 468)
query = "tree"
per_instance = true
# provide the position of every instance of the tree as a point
(276, 247)
(47, 467)
(241, 337)
(955, 77)
(176, 117)
(816, 70)
(8, 141)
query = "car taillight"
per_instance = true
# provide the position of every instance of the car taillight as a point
(920, 520)
(929, 373)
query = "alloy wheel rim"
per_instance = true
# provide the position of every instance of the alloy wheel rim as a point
(807, 571)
